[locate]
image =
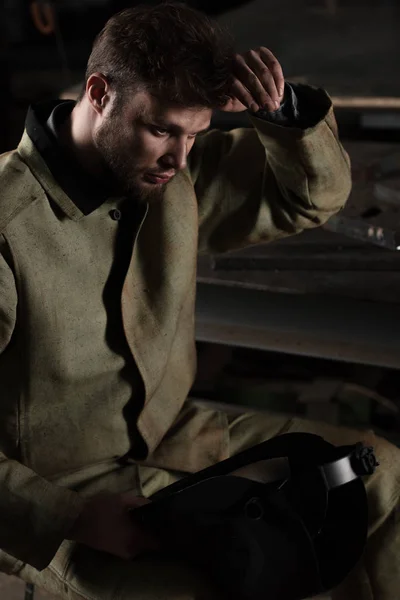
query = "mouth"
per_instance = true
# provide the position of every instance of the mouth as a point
(154, 178)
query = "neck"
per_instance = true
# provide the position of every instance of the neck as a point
(77, 138)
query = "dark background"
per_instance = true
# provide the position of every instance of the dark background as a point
(350, 47)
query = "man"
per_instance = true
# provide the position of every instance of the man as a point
(103, 208)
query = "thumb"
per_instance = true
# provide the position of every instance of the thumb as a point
(132, 500)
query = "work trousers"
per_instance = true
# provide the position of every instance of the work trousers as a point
(78, 572)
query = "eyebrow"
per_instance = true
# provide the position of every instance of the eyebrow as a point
(175, 128)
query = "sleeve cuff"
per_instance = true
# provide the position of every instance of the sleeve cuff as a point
(303, 107)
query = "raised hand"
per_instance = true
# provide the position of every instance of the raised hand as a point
(258, 82)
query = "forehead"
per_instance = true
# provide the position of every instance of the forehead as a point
(146, 107)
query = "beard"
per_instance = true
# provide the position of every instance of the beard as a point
(119, 173)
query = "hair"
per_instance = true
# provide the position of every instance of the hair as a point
(174, 52)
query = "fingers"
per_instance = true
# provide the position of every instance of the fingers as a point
(248, 79)
(139, 501)
(243, 95)
(265, 89)
(140, 538)
(259, 81)
(275, 68)
(132, 500)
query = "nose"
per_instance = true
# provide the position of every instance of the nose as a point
(177, 155)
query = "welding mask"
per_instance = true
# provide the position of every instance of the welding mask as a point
(286, 519)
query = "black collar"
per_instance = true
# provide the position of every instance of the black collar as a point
(81, 188)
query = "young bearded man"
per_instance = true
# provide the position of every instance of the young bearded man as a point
(103, 208)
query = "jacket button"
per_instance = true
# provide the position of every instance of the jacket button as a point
(115, 214)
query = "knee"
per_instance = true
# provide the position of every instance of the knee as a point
(383, 487)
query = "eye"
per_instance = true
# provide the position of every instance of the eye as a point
(159, 131)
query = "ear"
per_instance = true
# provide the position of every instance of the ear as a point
(98, 92)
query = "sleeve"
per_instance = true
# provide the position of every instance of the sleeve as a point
(8, 303)
(263, 183)
(35, 515)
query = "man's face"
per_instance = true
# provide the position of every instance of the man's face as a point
(144, 143)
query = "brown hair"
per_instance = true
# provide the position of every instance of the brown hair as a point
(171, 50)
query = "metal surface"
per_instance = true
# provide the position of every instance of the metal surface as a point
(358, 229)
(338, 472)
(387, 187)
(316, 257)
(340, 329)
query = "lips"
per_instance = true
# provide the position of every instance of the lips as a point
(158, 178)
